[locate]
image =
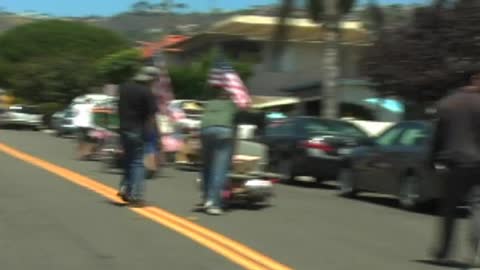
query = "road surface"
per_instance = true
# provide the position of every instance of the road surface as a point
(60, 213)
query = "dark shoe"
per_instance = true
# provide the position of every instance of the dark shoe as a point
(137, 203)
(122, 193)
(440, 257)
(124, 196)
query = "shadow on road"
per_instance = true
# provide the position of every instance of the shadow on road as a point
(236, 206)
(450, 263)
(186, 168)
(316, 185)
(117, 204)
(432, 208)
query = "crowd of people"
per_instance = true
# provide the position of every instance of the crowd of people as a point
(140, 133)
(456, 147)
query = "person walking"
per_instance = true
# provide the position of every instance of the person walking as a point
(456, 145)
(136, 109)
(83, 121)
(217, 139)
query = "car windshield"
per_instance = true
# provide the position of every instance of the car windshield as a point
(69, 113)
(320, 126)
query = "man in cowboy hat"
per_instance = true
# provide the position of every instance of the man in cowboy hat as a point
(136, 109)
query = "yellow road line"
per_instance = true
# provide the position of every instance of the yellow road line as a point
(230, 249)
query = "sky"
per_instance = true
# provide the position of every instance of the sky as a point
(110, 7)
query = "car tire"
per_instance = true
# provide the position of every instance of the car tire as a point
(346, 183)
(409, 192)
(284, 166)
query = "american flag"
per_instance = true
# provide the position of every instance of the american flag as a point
(163, 90)
(224, 76)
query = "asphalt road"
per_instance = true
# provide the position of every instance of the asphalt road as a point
(47, 222)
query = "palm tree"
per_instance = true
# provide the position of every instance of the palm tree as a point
(330, 12)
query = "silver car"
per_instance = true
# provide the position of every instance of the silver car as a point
(21, 116)
(62, 123)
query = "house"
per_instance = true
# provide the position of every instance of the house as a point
(297, 80)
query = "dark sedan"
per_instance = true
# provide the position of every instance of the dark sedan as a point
(309, 146)
(393, 163)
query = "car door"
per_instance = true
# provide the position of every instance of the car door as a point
(277, 138)
(379, 159)
(412, 152)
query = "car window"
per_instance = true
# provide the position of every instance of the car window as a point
(284, 128)
(319, 126)
(347, 129)
(69, 114)
(390, 137)
(16, 109)
(30, 110)
(414, 136)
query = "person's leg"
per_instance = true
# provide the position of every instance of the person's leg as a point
(455, 190)
(137, 168)
(475, 222)
(207, 156)
(125, 184)
(221, 162)
(90, 143)
(80, 143)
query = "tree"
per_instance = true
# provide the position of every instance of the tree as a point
(422, 61)
(330, 12)
(141, 6)
(53, 61)
(120, 66)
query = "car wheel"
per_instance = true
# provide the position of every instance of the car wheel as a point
(346, 183)
(285, 168)
(409, 193)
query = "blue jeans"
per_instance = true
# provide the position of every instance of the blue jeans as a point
(134, 171)
(151, 145)
(217, 147)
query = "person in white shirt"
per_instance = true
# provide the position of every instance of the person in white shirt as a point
(83, 121)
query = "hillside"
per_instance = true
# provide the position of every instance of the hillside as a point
(140, 26)
(151, 26)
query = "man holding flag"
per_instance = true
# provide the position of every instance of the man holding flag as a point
(217, 131)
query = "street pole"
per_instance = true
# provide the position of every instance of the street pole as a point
(330, 61)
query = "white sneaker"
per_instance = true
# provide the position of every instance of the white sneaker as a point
(207, 204)
(213, 210)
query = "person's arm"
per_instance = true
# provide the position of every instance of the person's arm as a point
(151, 111)
(437, 142)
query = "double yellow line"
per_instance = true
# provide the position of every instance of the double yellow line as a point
(230, 249)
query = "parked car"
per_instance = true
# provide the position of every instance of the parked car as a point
(393, 163)
(309, 146)
(21, 116)
(62, 122)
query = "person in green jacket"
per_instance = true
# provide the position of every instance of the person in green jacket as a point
(217, 137)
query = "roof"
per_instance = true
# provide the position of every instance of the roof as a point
(150, 48)
(260, 28)
(300, 29)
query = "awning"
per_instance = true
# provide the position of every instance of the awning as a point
(263, 102)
